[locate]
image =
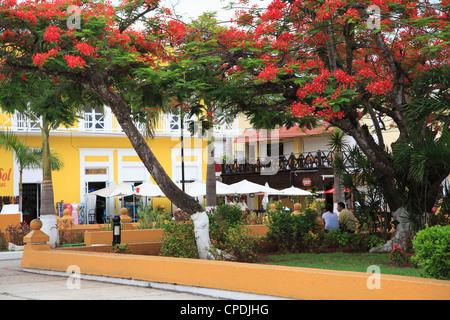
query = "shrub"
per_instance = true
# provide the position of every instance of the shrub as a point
(399, 255)
(291, 232)
(179, 240)
(3, 245)
(432, 251)
(67, 235)
(338, 240)
(254, 218)
(149, 219)
(121, 248)
(238, 245)
(229, 215)
(16, 233)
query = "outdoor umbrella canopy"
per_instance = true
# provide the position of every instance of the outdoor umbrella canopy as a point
(120, 190)
(293, 191)
(247, 187)
(273, 191)
(198, 189)
(148, 189)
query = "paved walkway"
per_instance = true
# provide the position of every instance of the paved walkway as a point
(17, 284)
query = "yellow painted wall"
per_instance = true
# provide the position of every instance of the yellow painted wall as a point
(6, 173)
(66, 182)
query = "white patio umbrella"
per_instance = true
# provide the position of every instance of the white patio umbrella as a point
(247, 187)
(149, 189)
(198, 189)
(271, 191)
(293, 191)
(121, 190)
(223, 188)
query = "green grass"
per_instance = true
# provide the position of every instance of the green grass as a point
(340, 261)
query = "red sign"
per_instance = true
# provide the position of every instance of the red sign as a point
(4, 176)
(306, 182)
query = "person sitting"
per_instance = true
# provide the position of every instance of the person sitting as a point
(330, 218)
(230, 202)
(297, 208)
(347, 221)
(242, 205)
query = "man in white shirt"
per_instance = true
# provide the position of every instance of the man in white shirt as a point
(242, 205)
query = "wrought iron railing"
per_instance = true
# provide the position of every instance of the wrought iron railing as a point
(301, 161)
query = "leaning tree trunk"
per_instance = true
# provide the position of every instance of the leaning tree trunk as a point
(175, 194)
(211, 174)
(47, 209)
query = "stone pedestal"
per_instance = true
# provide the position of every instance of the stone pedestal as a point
(36, 236)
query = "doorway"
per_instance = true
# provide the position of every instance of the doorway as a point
(100, 204)
(31, 201)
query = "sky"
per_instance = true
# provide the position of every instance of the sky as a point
(194, 8)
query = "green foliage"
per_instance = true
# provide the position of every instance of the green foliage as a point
(238, 245)
(432, 252)
(229, 215)
(17, 232)
(3, 245)
(67, 235)
(121, 248)
(291, 232)
(151, 218)
(229, 238)
(254, 218)
(179, 240)
(399, 255)
(440, 214)
(346, 241)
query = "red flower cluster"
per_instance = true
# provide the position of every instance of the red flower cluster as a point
(269, 73)
(299, 109)
(40, 58)
(344, 78)
(379, 87)
(74, 61)
(52, 34)
(85, 48)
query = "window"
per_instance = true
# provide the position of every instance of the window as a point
(94, 119)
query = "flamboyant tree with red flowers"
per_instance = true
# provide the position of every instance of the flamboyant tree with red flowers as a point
(297, 61)
(111, 53)
(362, 66)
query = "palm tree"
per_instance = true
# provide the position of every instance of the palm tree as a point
(27, 157)
(337, 145)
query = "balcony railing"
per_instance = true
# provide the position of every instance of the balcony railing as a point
(301, 161)
(104, 122)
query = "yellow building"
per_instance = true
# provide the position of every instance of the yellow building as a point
(97, 154)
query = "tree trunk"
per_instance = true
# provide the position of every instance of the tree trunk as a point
(175, 194)
(339, 195)
(47, 210)
(211, 174)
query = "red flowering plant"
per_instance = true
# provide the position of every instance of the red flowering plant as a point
(304, 62)
(109, 52)
(399, 255)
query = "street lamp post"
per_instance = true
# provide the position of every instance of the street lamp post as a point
(116, 230)
(182, 150)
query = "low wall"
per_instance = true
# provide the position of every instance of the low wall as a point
(9, 219)
(147, 235)
(127, 236)
(288, 282)
(144, 248)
